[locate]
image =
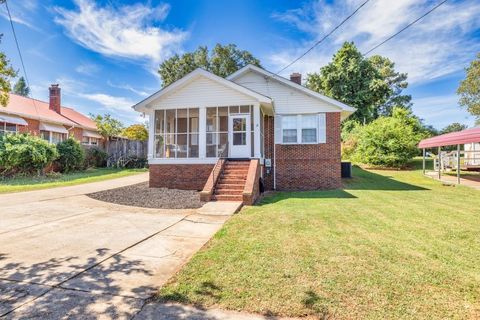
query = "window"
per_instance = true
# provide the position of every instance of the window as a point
(176, 133)
(298, 129)
(7, 128)
(309, 128)
(89, 141)
(52, 137)
(289, 128)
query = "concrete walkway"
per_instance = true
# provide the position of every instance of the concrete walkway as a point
(65, 255)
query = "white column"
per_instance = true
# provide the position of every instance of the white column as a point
(151, 134)
(202, 133)
(256, 130)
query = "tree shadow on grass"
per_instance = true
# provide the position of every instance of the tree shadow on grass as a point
(368, 180)
(362, 180)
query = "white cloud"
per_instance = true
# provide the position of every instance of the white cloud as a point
(19, 13)
(109, 102)
(87, 68)
(128, 87)
(440, 111)
(127, 31)
(438, 45)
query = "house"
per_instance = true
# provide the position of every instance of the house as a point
(231, 137)
(51, 121)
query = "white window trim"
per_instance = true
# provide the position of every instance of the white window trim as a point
(299, 129)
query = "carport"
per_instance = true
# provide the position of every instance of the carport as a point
(466, 159)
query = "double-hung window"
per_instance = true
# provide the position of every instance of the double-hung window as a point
(289, 129)
(309, 125)
(302, 129)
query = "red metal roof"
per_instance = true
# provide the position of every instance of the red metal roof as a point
(453, 138)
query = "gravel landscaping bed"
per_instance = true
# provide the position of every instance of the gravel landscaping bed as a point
(140, 195)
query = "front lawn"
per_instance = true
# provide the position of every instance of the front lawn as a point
(62, 180)
(392, 244)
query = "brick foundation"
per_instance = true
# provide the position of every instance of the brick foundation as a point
(179, 176)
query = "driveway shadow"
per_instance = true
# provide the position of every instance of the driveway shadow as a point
(23, 285)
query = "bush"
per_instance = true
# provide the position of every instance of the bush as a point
(388, 141)
(95, 157)
(24, 153)
(71, 155)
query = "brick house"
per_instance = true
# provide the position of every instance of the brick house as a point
(49, 120)
(231, 137)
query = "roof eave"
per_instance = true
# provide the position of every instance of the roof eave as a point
(297, 86)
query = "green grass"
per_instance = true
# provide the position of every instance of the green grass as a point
(63, 180)
(391, 244)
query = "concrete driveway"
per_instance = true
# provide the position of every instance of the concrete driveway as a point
(65, 255)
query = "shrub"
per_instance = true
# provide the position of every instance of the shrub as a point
(71, 155)
(95, 157)
(24, 153)
(388, 141)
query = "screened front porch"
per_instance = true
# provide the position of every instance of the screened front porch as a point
(204, 134)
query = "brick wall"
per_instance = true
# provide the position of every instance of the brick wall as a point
(77, 133)
(33, 127)
(307, 167)
(179, 176)
(268, 131)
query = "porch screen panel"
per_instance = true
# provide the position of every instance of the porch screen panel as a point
(193, 127)
(159, 133)
(170, 129)
(176, 133)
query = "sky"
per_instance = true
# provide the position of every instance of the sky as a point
(105, 54)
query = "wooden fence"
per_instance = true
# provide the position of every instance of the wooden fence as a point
(120, 150)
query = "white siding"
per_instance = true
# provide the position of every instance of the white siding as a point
(287, 100)
(202, 92)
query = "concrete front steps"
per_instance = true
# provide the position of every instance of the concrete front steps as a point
(231, 183)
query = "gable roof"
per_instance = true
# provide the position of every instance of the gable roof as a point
(79, 118)
(142, 105)
(39, 110)
(314, 94)
(33, 109)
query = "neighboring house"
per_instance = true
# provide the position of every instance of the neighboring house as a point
(51, 120)
(290, 132)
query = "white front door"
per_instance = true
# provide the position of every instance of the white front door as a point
(239, 136)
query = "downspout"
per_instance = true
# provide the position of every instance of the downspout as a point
(274, 152)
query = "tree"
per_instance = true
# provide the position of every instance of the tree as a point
(21, 88)
(388, 141)
(469, 89)
(6, 73)
(396, 82)
(136, 132)
(71, 155)
(370, 85)
(222, 61)
(107, 126)
(454, 127)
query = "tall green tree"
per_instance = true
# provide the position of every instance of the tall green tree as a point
(107, 126)
(469, 89)
(222, 61)
(21, 88)
(396, 83)
(453, 127)
(6, 73)
(369, 84)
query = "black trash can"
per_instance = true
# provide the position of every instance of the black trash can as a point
(346, 169)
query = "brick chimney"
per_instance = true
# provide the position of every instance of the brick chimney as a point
(55, 101)
(296, 77)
